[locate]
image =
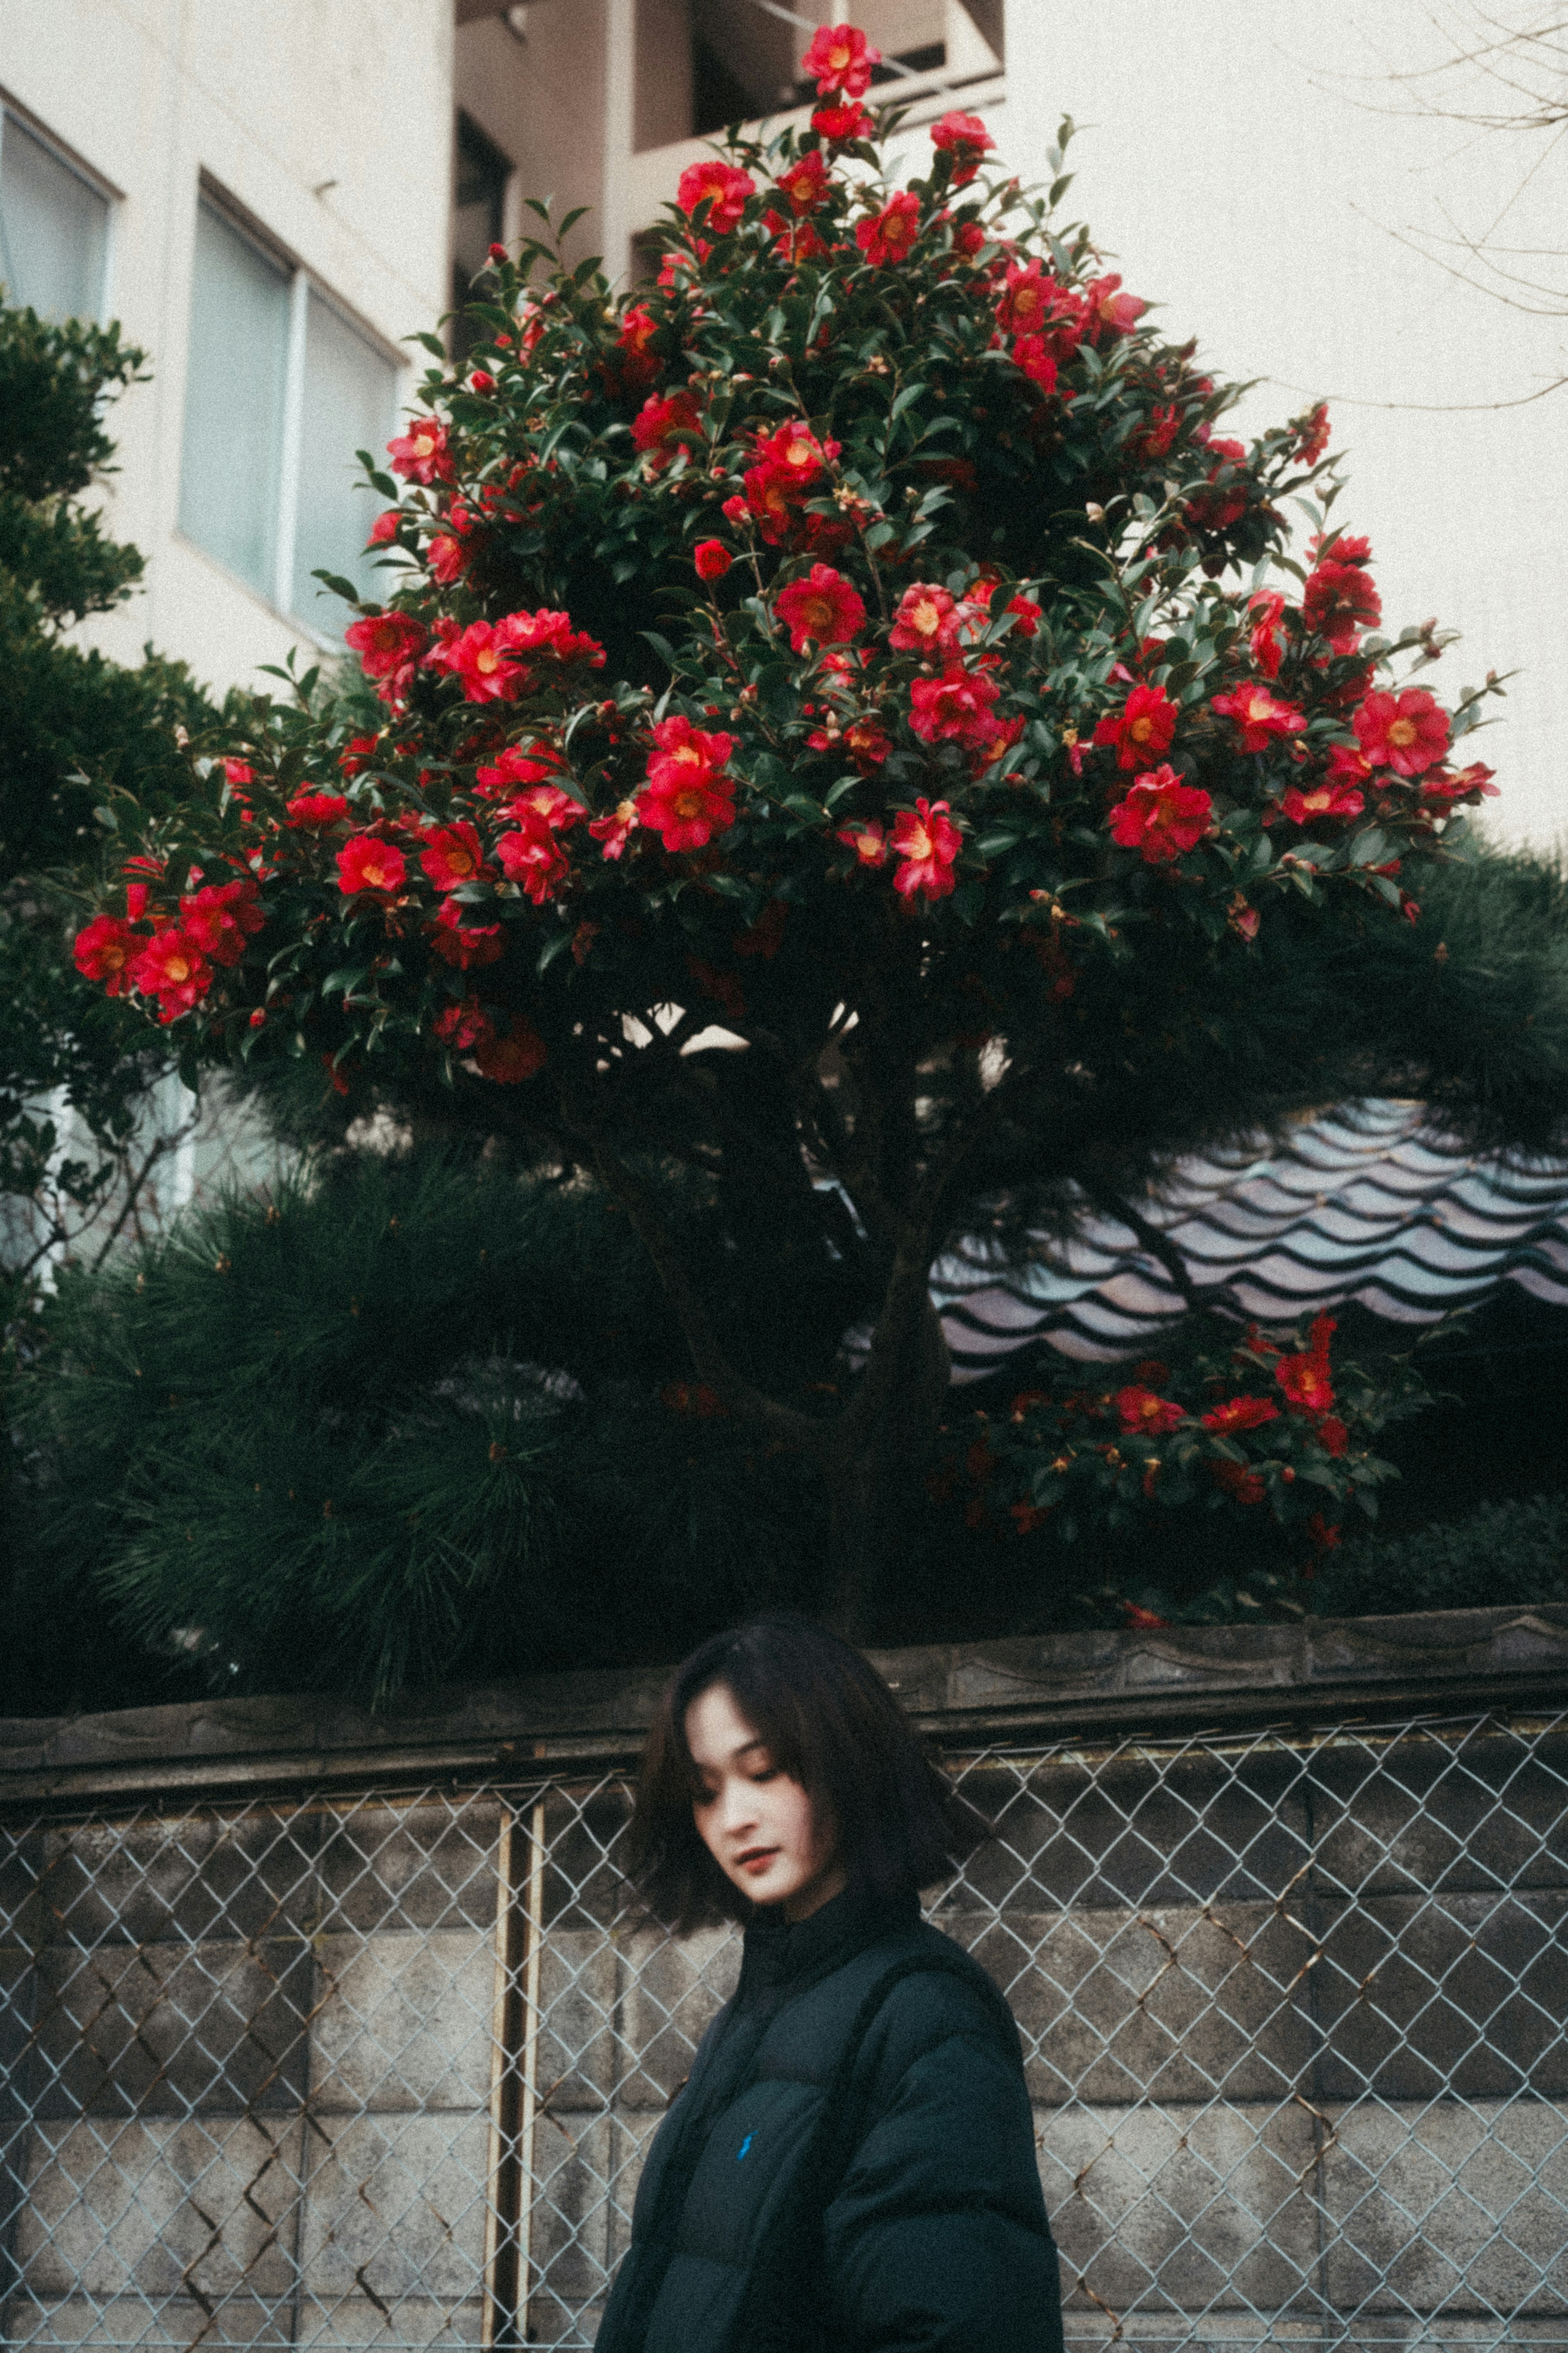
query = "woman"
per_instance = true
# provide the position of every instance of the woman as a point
(850, 2167)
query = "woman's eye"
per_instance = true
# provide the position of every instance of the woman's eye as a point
(767, 1773)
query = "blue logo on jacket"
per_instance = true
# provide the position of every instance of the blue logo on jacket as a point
(745, 2145)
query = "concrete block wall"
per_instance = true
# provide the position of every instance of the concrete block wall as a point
(1291, 1997)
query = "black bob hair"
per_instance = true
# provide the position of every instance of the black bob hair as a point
(830, 1721)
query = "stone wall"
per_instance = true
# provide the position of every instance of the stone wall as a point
(291, 1998)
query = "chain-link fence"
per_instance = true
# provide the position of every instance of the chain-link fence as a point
(378, 2070)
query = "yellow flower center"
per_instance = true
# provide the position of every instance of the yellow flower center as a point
(486, 658)
(1402, 732)
(687, 803)
(1140, 729)
(919, 844)
(927, 617)
(800, 453)
(176, 969)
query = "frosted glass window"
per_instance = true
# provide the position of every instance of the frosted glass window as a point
(237, 376)
(54, 230)
(348, 402)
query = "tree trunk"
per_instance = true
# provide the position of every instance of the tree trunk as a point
(876, 1481)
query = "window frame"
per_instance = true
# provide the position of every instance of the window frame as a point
(111, 196)
(302, 283)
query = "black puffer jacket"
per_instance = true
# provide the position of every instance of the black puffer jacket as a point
(851, 2167)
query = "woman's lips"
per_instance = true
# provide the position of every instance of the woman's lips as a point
(758, 1859)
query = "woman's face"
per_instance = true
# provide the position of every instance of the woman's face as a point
(757, 1822)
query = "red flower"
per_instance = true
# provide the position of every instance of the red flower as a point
(1339, 602)
(797, 451)
(664, 425)
(478, 656)
(532, 857)
(1406, 733)
(1320, 1535)
(463, 1026)
(635, 363)
(1030, 354)
(613, 832)
(368, 863)
(1161, 816)
(385, 643)
(866, 740)
(771, 495)
(356, 754)
(221, 918)
(516, 766)
(1305, 1380)
(868, 841)
(1027, 616)
(686, 800)
(968, 238)
(840, 60)
(841, 125)
(104, 952)
(1156, 438)
(1471, 784)
(928, 842)
(1264, 644)
(1259, 715)
(805, 185)
(1142, 1411)
(711, 558)
(1333, 1435)
(463, 946)
(954, 709)
(316, 812)
(1314, 435)
(721, 187)
(1218, 509)
(1327, 799)
(1141, 729)
(549, 804)
(965, 138)
(452, 855)
(386, 527)
(513, 1053)
(1235, 1480)
(823, 609)
(1110, 310)
(1027, 300)
(421, 454)
(481, 380)
(887, 235)
(926, 621)
(1241, 1413)
(1146, 1620)
(172, 968)
(445, 557)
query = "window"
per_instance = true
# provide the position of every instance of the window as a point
(54, 228)
(479, 219)
(281, 391)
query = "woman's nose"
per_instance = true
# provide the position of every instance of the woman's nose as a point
(736, 1809)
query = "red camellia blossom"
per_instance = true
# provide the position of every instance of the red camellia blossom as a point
(479, 656)
(805, 185)
(1027, 616)
(721, 187)
(463, 1026)
(1240, 1413)
(386, 643)
(445, 558)
(711, 558)
(315, 812)
(172, 969)
(532, 855)
(1315, 435)
(1305, 1378)
(105, 950)
(686, 800)
(1026, 300)
(1141, 729)
(1030, 354)
(796, 451)
(1218, 509)
(1471, 784)
(840, 60)
(1333, 1436)
(965, 138)
(824, 607)
(613, 832)
(514, 1051)
(635, 363)
(463, 946)
(955, 709)
(1111, 311)
(452, 855)
(1161, 816)
(221, 918)
(841, 125)
(421, 454)
(1142, 1411)
(386, 528)
(1245, 1486)
(1406, 733)
(1264, 643)
(549, 804)
(1261, 716)
(1327, 799)
(926, 621)
(516, 766)
(869, 841)
(1340, 601)
(887, 235)
(928, 843)
(368, 863)
(663, 425)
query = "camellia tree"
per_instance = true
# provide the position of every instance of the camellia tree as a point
(859, 752)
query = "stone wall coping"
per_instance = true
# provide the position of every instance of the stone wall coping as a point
(1103, 1685)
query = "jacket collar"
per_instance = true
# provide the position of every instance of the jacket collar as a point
(779, 1956)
